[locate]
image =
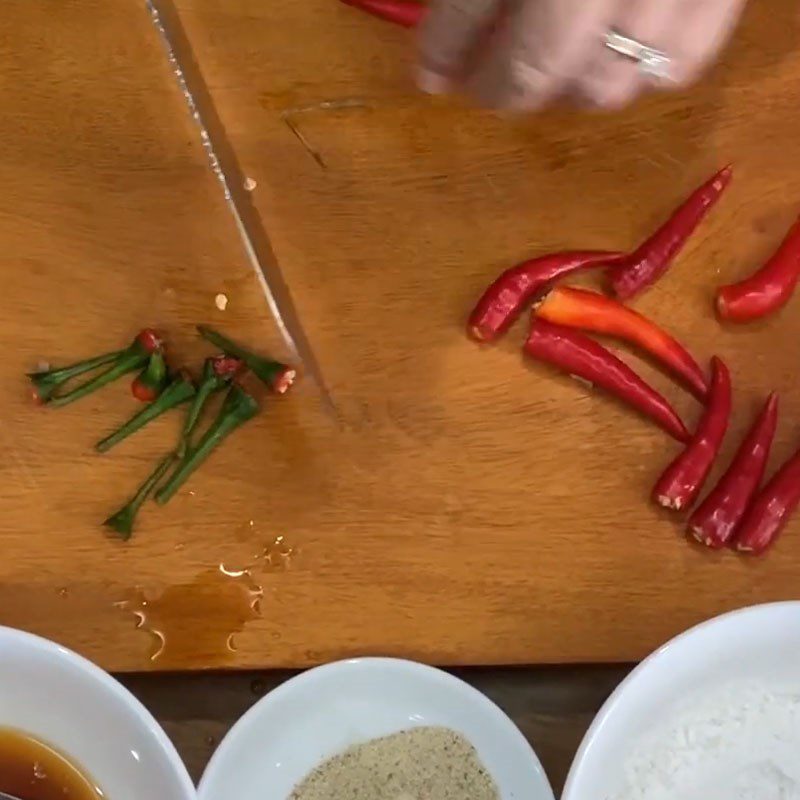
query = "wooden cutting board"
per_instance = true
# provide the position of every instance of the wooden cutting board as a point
(458, 505)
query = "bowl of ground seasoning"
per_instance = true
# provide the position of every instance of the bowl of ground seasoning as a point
(375, 729)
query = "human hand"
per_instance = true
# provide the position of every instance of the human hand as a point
(521, 54)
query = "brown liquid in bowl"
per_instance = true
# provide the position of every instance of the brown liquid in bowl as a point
(32, 770)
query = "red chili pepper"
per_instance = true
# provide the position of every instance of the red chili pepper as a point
(770, 510)
(768, 289)
(143, 393)
(682, 480)
(715, 520)
(579, 308)
(504, 300)
(653, 257)
(581, 356)
(401, 12)
(149, 340)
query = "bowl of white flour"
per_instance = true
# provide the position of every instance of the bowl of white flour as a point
(712, 715)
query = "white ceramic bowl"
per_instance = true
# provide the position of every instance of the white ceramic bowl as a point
(760, 642)
(325, 710)
(56, 696)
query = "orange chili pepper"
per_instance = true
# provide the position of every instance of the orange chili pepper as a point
(579, 308)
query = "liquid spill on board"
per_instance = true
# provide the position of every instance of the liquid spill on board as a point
(33, 770)
(204, 616)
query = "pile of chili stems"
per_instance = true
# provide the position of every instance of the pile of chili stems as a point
(162, 389)
(738, 512)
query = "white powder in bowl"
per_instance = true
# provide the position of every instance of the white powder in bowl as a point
(427, 763)
(738, 742)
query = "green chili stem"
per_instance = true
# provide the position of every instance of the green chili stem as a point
(122, 521)
(269, 372)
(129, 362)
(48, 381)
(179, 391)
(154, 375)
(209, 383)
(205, 390)
(236, 410)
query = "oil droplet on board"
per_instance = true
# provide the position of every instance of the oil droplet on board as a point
(202, 618)
(246, 531)
(198, 619)
(62, 592)
(278, 555)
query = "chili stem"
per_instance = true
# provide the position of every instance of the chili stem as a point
(133, 360)
(236, 410)
(122, 521)
(48, 381)
(179, 391)
(274, 374)
(150, 382)
(211, 382)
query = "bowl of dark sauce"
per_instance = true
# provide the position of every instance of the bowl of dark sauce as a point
(31, 768)
(69, 731)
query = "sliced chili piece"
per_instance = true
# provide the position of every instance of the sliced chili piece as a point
(577, 354)
(179, 391)
(766, 290)
(504, 299)
(401, 12)
(715, 520)
(150, 340)
(274, 374)
(771, 509)
(683, 479)
(150, 382)
(579, 308)
(645, 265)
(218, 372)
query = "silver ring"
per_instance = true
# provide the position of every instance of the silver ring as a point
(653, 63)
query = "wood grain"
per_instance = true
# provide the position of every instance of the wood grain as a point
(472, 508)
(109, 220)
(461, 507)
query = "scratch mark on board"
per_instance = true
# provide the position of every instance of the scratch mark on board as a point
(288, 116)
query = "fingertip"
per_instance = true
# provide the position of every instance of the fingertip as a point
(431, 82)
(532, 87)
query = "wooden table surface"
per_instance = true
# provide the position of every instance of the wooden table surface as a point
(457, 506)
(552, 706)
(110, 220)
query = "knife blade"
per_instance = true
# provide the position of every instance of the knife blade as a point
(225, 165)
